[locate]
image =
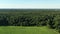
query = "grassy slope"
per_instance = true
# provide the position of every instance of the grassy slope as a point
(26, 30)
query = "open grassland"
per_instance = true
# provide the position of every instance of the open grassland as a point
(26, 30)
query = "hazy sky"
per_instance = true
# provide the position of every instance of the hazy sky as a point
(29, 3)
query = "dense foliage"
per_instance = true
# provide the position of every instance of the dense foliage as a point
(32, 17)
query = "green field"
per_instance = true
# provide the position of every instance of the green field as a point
(26, 30)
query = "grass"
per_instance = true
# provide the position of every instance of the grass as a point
(26, 30)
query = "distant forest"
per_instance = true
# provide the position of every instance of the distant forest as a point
(30, 17)
(18, 10)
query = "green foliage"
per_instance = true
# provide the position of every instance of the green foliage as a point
(30, 17)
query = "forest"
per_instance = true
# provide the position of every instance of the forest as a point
(30, 17)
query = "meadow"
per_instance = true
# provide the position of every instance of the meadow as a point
(26, 30)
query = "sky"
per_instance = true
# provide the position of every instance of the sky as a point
(30, 4)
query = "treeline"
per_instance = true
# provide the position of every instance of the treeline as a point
(31, 18)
